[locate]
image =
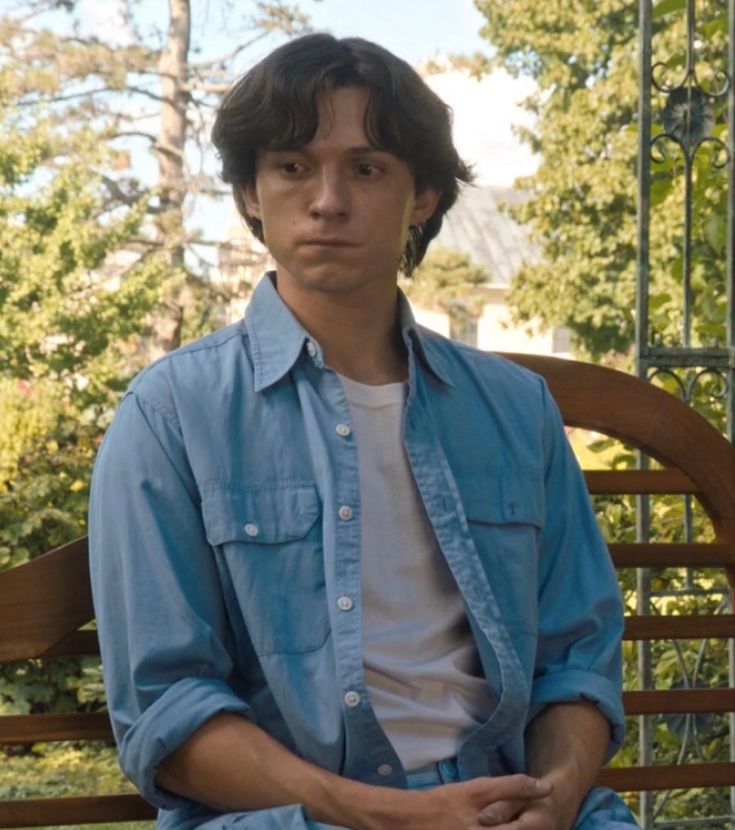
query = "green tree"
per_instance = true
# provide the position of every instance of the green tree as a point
(582, 207)
(70, 322)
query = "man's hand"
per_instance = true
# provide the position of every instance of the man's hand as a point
(514, 814)
(542, 814)
(565, 745)
(461, 806)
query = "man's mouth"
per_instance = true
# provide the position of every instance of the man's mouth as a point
(327, 242)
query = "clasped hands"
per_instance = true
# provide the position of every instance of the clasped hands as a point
(513, 802)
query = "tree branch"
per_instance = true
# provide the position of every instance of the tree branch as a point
(205, 86)
(130, 199)
(132, 133)
(56, 98)
(228, 56)
(148, 94)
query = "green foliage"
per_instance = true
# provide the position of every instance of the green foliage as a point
(582, 207)
(61, 317)
(63, 685)
(450, 282)
(47, 446)
(72, 769)
(69, 329)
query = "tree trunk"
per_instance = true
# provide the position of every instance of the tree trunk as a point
(174, 71)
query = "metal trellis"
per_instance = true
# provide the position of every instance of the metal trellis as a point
(685, 124)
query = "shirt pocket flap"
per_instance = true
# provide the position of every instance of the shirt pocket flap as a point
(261, 515)
(514, 496)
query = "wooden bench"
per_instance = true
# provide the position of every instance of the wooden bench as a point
(44, 603)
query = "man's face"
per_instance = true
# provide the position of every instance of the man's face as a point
(336, 212)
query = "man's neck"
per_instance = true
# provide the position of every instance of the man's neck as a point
(360, 335)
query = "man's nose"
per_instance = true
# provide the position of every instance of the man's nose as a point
(331, 197)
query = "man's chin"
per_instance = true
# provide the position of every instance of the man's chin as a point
(328, 278)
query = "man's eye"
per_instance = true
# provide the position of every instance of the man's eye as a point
(366, 169)
(291, 168)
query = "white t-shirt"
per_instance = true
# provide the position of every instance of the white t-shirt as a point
(421, 664)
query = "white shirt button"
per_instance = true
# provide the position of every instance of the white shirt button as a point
(385, 769)
(311, 347)
(251, 529)
(345, 512)
(342, 430)
(352, 699)
(345, 604)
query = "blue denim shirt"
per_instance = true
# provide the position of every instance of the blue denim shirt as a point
(219, 551)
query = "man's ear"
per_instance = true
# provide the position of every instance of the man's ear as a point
(425, 205)
(250, 197)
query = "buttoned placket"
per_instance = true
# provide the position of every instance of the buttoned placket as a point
(377, 761)
(347, 575)
(346, 626)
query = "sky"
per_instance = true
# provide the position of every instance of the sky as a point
(413, 29)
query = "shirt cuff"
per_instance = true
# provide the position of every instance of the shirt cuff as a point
(165, 725)
(576, 685)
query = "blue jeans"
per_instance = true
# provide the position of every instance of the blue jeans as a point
(443, 772)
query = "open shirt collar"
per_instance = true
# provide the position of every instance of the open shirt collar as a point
(278, 339)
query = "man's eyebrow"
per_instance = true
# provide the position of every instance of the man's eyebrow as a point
(361, 150)
(366, 150)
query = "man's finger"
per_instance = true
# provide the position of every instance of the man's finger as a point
(513, 788)
(499, 812)
(530, 817)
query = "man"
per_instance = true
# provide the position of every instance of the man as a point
(345, 570)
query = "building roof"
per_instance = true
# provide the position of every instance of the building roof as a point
(476, 226)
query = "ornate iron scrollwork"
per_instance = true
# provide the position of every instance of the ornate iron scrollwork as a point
(692, 118)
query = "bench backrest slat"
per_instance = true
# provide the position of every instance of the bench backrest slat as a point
(671, 554)
(679, 701)
(77, 726)
(639, 482)
(680, 627)
(670, 777)
(40, 812)
(43, 601)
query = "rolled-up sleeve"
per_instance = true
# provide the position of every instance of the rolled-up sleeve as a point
(157, 597)
(580, 609)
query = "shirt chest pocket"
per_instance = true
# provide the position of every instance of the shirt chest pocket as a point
(269, 542)
(505, 515)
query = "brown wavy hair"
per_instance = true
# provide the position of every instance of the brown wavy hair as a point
(274, 107)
